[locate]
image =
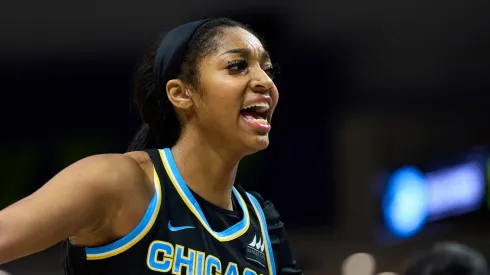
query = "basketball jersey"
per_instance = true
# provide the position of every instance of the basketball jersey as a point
(181, 233)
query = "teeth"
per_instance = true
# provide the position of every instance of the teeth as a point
(259, 106)
(259, 120)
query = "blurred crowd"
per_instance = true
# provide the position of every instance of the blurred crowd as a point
(442, 259)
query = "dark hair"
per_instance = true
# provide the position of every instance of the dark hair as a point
(447, 259)
(161, 127)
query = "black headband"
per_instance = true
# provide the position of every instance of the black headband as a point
(171, 53)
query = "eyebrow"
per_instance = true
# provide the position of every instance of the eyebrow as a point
(245, 51)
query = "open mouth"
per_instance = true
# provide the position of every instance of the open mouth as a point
(256, 112)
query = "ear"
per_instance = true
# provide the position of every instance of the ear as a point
(178, 94)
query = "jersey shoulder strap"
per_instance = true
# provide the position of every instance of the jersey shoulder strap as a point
(265, 232)
(156, 158)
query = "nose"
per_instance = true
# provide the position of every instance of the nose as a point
(261, 82)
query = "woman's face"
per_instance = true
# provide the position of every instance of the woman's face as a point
(237, 96)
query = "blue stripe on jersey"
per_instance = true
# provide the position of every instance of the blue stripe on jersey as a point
(230, 233)
(263, 224)
(123, 244)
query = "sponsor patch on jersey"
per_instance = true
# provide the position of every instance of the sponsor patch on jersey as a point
(255, 250)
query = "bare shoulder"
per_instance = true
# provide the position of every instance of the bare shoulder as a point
(145, 163)
(95, 200)
(106, 176)
(141, 157)
(127, 181)
(118, 172)
(111, 167)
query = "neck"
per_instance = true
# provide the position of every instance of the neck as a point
(207, 170)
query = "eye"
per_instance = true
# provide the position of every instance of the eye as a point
(271, 71)
(237, 66)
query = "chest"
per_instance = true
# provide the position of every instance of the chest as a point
(184, 245)
(189, 255)
(205, 240)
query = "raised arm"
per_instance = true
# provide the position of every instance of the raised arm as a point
(82, 200)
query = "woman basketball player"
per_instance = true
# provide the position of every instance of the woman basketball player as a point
(206, 95)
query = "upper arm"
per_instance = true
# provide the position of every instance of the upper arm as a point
(79, 200)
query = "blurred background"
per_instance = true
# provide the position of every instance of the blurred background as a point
(380, 138)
